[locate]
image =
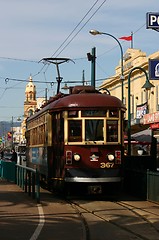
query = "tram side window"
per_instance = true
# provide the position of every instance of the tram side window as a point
(28, 137)
(74, 130)
(112, 131)
(94, 130)
(34, 135)
(72, 114)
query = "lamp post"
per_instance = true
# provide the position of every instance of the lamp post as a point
(95, 32)
(147, 86)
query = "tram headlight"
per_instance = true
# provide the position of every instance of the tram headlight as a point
(76, 157)
(110, 157)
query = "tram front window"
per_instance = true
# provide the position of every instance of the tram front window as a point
(112, 131)
(94, 130)
(75, 131)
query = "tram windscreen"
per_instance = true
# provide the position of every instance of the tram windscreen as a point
(75, 131)
(94, 130)
(112, 131)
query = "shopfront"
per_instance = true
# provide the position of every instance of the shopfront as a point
(152, 121)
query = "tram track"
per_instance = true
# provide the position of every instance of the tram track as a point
(143, 213)
(131, 221)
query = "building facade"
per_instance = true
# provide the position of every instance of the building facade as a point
(143, 101)
(31, 104)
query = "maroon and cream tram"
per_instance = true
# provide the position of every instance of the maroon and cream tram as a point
(76, 141)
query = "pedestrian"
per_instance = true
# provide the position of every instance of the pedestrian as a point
(2, 154)
(14, 156)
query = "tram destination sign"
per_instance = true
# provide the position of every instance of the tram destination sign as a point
(152, 20)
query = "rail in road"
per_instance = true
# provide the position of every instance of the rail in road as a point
(120, 220)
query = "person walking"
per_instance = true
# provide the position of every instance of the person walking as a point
(1, 154)
(14, 156)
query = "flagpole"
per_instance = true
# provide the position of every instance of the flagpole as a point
(128, 38)
(131, 39)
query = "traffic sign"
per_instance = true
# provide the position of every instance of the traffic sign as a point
(152, 20)
(154, 69)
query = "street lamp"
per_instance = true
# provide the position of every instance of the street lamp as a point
(147, 86)
(95, 32)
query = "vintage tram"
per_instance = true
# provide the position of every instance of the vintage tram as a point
(76, 141)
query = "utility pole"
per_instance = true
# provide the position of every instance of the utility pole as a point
(93, 70)
(83, 78)
(12, 143)
(92, 57)
(45, 95)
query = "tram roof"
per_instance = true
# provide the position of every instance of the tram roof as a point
(83, 100)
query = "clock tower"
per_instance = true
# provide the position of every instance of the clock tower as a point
(30, 102)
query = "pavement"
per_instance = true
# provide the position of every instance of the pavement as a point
(17, 211)
(21, 217)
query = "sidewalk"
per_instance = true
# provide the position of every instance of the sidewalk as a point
(22, 218)
(17, 212)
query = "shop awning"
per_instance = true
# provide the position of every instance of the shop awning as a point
(143, 136)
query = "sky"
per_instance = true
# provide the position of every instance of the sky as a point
(34, 29)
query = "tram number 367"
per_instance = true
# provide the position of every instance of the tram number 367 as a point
(106, 165)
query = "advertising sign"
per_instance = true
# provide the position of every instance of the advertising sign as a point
(154, 69)
(141, 110)
(151, 118)
(152, 20)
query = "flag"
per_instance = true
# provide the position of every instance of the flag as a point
(127, 38)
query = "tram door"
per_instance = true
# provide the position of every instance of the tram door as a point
(58, 144)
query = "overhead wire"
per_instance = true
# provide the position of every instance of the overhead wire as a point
(78, 30)
(76, 59)
(116, 46)
(82, 26)
(63, 41)
(124, 41)
(64, 46)
(18, 59)
(75, 28)
(48, 64)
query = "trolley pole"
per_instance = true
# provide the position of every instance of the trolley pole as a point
(57, 61)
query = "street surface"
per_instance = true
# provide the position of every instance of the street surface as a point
(54, 218)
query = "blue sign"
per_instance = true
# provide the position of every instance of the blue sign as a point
(152, 20)
(154, 69)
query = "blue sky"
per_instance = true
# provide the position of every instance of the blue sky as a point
(36, 29)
